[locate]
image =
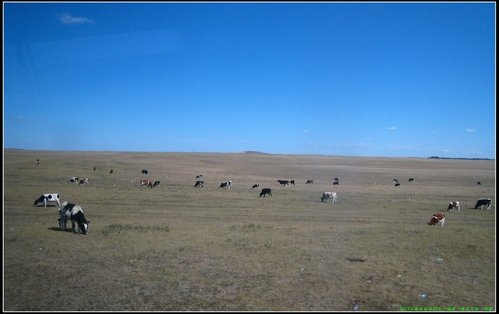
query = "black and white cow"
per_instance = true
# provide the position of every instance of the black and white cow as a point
(483, 202)
(145, 172)
(83, 181)
(156, 184)
(49, 197)
(226, 184)
(395, 181)
(410, 180)
(199, 184)
(329, 197)
(336, 181)
(286, 182)
(37, 162)
(454, 206)
(199, 176)
(74, 180)
(265, 192)
(309, 181)
(254, 186)
(74, 213)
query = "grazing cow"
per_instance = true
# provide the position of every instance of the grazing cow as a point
(111, 171)
(410, 179)
(329, 196)
(37, 162)
(255, 186)
(395, 181)
(83, 181)
(226, 184)
(397, 184)
(265, 192)
(199, 176)
(479, 183)
(74, 180)
(454, 206)
(483, 202)
(336, 181)
(286, 182)
(146, 183)
(95, 168)
(156, 183)
(437, 219)
(309, 181)
(199, 184)
(74, 213)
(49, 197)
(145, 172)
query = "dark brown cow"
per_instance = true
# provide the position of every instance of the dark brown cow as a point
(265, 192)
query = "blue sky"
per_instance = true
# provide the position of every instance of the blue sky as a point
(354, 79)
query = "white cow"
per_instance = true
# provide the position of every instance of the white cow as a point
(74, 213)
(329, 196)
(49, 197)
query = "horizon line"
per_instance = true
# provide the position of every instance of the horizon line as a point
(249, 152)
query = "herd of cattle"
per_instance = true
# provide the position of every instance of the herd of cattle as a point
(439, 218)
(74, 212)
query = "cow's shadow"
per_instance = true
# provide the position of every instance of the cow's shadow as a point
(58, 229)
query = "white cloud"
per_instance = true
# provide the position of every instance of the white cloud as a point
(66, 18)
(307, 131)
(392, 128)
(470, 130)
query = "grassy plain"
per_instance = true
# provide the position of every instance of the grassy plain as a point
(180, 248)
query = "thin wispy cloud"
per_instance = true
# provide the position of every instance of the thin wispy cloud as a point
(392, 128)
(68, 19)
(470, 130)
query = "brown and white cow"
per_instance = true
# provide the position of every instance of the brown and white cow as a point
(146, 183)
(454, 206)
(437, 219)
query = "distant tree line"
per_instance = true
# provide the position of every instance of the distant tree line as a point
(461, 158)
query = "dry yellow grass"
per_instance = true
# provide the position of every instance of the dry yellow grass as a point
(180, 248)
